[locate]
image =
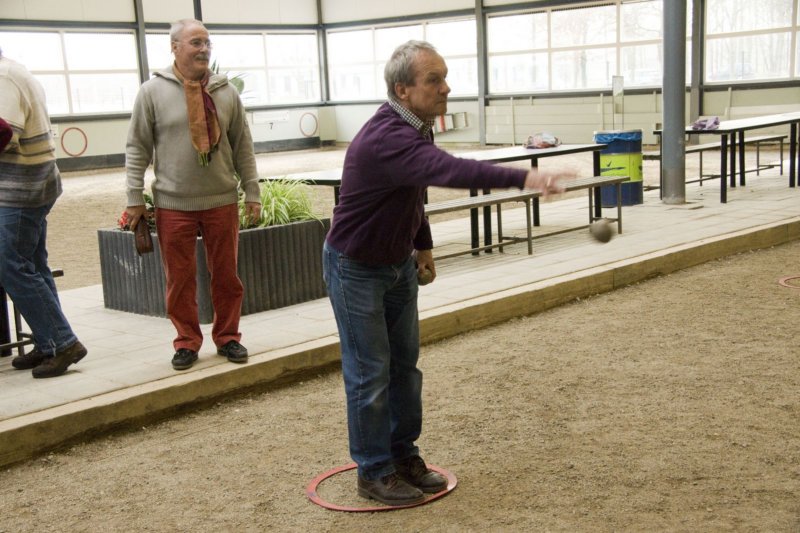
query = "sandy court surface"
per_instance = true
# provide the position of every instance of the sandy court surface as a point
(670, 405)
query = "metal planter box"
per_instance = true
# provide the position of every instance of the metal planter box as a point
(278, 265)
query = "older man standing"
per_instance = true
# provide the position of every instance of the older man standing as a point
(379, 242)
(194, 122)
(31, 183)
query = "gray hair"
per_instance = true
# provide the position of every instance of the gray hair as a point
(400, 67)
(177, 27)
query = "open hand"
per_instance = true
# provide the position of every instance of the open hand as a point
(548, 182)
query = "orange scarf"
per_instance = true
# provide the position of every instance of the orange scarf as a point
(203, 121)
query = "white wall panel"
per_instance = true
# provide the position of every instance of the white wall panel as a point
(298, 12)
(260, 11)
(327, 123)
(90, 138)
(81, 10)
(284, 124)
(350, 10)
(488, 3)
(108, 10)
(161, 11)
(12, 9)
(350, 119)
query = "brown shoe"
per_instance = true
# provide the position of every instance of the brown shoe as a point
(28, 360)
(57, 365)
(415, 472)
(390, 490)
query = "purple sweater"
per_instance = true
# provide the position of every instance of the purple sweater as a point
(380, 218)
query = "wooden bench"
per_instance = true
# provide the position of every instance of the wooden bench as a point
(528, 197)
(653, 155)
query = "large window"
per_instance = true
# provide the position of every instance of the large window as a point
(576, 48)
(81, 72)
(748, 40)
(276, 68)
(356, 58)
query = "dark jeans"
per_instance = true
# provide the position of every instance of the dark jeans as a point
(376, 314)
(27, 278)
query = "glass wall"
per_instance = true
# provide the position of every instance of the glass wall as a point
(275, 68)
(575, 49)
(356, 58)
(748, 41)
(81, 72)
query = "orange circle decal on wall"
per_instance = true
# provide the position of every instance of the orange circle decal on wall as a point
(85, 141)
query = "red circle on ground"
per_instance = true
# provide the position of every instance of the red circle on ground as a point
(784, 281)
(311, 492)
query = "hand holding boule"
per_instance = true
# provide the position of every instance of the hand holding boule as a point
(425, 277)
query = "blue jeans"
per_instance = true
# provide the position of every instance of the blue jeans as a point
(376, 313)
(27, 279)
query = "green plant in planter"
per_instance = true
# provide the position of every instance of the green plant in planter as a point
(282, 202)
(237, 81)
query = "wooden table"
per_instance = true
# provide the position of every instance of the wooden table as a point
(732, 134)
(520, 153)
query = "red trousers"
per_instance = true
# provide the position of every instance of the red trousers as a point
(177, 237)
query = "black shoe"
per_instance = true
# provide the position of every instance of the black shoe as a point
(390, 490)
(58, 364)
(184, 358)
(28, 360)
(235, 352)
(414, 472)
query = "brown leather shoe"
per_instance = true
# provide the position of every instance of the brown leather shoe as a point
(28, 360)
(390, 490)
(415, 472)
(57, 365)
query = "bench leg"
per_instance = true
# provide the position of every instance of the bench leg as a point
(792, 151)
(758, 159)
(781, 163)
(473, 224)
(741, 159)
(733, 160)
(701, 167)
(723, 170)
(487, 224)
(529, 225)
(500, 227)
(619, 207)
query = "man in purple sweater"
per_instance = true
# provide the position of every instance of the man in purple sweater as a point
(379, 242)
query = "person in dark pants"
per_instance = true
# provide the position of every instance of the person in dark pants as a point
(378, 244)
(31, 183)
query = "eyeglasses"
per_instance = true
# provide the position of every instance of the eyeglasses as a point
(199, 44)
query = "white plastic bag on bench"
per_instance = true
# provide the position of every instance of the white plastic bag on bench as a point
(542, 140)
